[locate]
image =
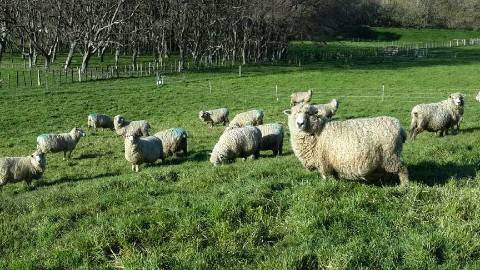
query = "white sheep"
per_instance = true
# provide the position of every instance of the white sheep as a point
(139, 150)
(477, 98)
(327, 110)
(272, 137)
(15, 169)
(252, 118)
(63, 142)
(95, 121)
(437, 117)
(214, 117)
(237, 142)
(300, 97)
(364, 148)
(174, 141)
(123, 127)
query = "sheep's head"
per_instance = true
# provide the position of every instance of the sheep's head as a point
(78, 132)
(457, 99)
(118, 120)
(38, 159)
(203, 115)
(132, 137)
(215, 159)
(303, 118)
(334, 103)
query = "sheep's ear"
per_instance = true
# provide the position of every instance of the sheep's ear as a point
(287, 112)
(209, 153)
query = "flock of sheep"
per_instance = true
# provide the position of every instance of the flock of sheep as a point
(362, 148)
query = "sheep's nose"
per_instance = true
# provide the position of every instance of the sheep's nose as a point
(300, 123)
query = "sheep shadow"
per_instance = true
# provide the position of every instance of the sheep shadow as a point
(431, 173)
(69, 179)
(469, 130)
(92, 155)
(198, 156)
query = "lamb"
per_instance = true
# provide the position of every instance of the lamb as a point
(174, 141)
(363, 148)
(237, 142)
(123, 127)
(252, 118)
(327, 110)
(63, 142)
(437, 117)
(15, 169)
(139, 150)
(95, 121)
(214, 117)
(300, 97)
(272, 137)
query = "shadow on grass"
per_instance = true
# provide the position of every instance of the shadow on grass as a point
(431, 173)
(93, 155)
(469, 130)
(199, 156)
(70, 179)
(367, 33)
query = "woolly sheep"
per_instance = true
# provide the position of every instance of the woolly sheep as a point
(139, 150)
(15, 169)
(124, 127)
(437, 117)
(214, 117)
(363, 148)
(252, 118)
(95, 121)
(237, 142)
(327, 110)
(63, 142)
(300, 97)
(272, 137)
(174, 141)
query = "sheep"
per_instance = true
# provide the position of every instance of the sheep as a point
(95, 121)
(437, 117)
(174, 141)
(252, 118)
(139, 150)
(272, 137)
(214, 117)
(327, 110)
(15, 169)
(477, 98)
(123, 127)
(363, 148)
(237, 142)
(300, 97)
(63, 142)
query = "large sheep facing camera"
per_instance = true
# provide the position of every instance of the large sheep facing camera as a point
(438, 117)
(357, 149)
(16, 169)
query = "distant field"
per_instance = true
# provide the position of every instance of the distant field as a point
(92, 212)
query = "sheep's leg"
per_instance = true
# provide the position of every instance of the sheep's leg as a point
(133, 168)
(256, 155)
(64, 155)
(395, 166)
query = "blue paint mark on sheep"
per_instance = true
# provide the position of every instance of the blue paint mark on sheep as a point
(180, 132)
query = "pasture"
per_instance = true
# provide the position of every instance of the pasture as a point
(92, 212)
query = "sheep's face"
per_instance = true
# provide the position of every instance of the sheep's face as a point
(38, 159)
(118, 120)
(132, 138)
(78, 132)
(215, 160)
(334, 103)
(204, 115)
(303, 118)
(457, 99)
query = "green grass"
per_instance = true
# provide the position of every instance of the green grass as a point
(91, 212)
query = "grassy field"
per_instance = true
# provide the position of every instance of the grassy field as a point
(92, 212)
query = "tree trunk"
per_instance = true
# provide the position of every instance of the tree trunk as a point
(71, 50)
(54, 52)
(134, 57)
(86, 59)
(117, 55)
(48, 58)
(2, 48)
(102, 53)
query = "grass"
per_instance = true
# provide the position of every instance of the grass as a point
(93, 213)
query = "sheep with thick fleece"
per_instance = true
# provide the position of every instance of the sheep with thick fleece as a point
(327, 110)
(95, 121)
(237, 142)
(139, 150)
(214, 117)
(124, 127)
(249, 118)
(15, 169)
(300, 97)
(363, 148)
(63, 142)
(174, 141)
(272, 137)
(437, 117)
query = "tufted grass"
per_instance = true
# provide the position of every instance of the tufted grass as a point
(93, 213)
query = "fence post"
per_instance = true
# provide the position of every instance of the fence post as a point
(383, 93)
(240, 71)
(79, 75)
(276, 91)
(210, 86)
(38, 77)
